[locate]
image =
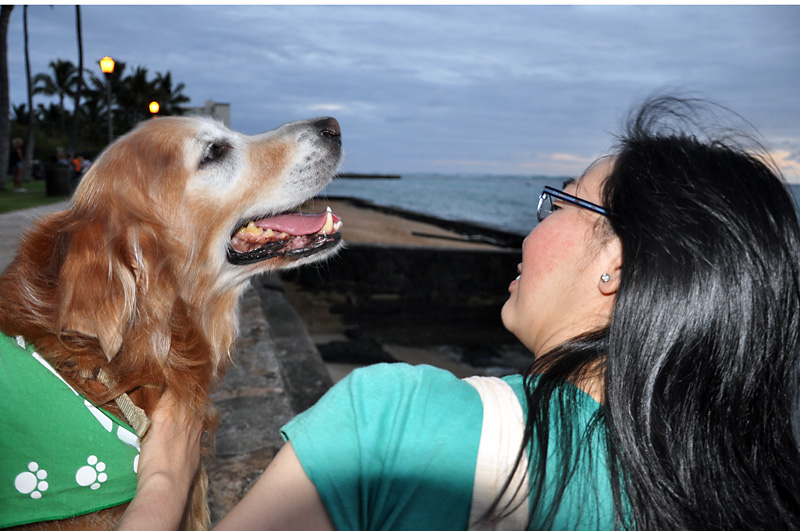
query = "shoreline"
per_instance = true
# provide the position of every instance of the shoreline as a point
(461, 231)
(365, 222)
(368, 176)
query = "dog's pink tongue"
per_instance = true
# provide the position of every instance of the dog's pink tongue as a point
(296, 224)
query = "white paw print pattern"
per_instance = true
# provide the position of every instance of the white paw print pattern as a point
(33, 481)
(91, 475)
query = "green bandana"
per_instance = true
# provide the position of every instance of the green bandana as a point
(60, 456)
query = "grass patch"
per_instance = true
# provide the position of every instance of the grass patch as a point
(35, 195)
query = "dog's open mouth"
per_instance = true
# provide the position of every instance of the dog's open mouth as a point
(291, 235)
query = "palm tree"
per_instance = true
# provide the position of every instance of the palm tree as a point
(20, 114)
(78, 81)
(135, 94)
(30, 137)
(61, 83)
(170, 98)
(97, 91)
(131, 95)
(5, 124)
(93, 133)
(48, 117)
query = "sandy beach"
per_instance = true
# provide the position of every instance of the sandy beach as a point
(361, 338)
(380, 226)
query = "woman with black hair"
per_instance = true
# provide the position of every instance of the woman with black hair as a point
(660, 297)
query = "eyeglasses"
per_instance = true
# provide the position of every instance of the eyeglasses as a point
(549, 193)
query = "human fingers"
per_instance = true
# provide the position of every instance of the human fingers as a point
(172, 445)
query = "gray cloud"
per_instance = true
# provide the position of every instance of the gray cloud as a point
(513, 89)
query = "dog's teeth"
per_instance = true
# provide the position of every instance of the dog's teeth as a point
(328, 227)
(269, 233)
(254, 229)
(328, 209)
(337, 225)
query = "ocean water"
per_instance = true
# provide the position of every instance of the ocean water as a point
(502, 202)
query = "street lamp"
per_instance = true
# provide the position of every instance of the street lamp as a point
(107, 66)
(154, 107)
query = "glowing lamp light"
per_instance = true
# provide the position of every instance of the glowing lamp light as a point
(154, 107)
(107, 65)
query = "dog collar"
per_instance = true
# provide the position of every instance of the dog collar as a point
(135, 415)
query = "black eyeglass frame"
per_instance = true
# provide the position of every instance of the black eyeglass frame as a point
(563, 196)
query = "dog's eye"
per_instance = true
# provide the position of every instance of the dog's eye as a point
(214, 151)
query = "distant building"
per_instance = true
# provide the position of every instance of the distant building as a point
(220, 111)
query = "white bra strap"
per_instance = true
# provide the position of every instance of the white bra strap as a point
(501, 437)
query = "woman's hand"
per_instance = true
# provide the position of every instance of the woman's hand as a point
(167, 464)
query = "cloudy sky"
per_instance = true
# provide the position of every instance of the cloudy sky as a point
(531, 90)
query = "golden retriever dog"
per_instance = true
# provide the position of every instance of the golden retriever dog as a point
(134, 288)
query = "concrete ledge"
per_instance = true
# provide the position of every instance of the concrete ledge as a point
(305, 377)
(277, 373)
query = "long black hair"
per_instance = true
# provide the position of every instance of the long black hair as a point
(700, 359)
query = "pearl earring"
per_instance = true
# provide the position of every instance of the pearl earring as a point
(605, 277)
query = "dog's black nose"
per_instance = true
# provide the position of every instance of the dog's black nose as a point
(329, 128)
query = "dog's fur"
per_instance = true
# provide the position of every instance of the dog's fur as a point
(134, 276)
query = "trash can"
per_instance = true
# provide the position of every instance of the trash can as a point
(56, 178)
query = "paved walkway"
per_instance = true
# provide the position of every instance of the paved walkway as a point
(12, 224)
(278, 372)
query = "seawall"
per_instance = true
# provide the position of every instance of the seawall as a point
(414, 296)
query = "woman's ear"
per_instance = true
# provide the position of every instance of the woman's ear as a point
(608, 282)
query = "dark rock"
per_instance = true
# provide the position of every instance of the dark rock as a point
(361, 351)
(418, 296)
(367, 176)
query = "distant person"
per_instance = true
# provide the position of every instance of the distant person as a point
(81, 166)
(660, 299)
(16, 164)
(85, 164)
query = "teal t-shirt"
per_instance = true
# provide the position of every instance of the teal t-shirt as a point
(395, 447)
(60, 456)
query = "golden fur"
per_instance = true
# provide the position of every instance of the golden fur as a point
(133, 277)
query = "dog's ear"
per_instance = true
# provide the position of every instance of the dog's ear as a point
(115, 282)
(113, 277)
(97, 285)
